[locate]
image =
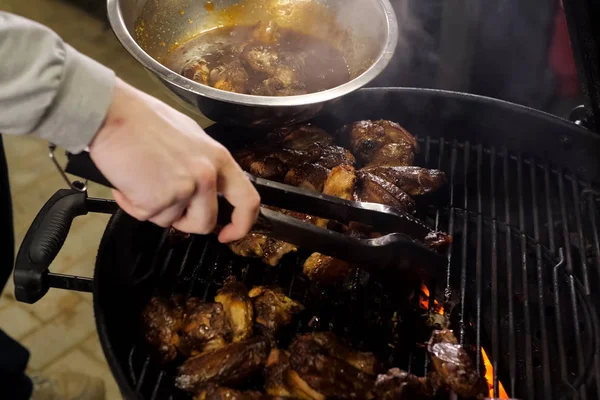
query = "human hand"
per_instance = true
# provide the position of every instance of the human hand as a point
(167, 170)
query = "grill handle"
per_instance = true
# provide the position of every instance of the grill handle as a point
(44, 240)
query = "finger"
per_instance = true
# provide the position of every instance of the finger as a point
(170, 215)
(201, 214)
(241, 194)
(129, 208)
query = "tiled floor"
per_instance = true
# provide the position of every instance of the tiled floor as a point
(59, 330)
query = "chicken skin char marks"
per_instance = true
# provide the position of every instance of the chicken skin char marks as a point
(229, 365)
(272, 308)
(205, 327)
(327, 374)
(380, 142)
(285, 155)
(162, 319)
(238, 308)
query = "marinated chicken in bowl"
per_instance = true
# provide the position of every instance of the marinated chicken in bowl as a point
(262, 60)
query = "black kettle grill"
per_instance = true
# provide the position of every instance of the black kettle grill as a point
(522, 275)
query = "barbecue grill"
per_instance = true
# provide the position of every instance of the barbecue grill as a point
(522, 278)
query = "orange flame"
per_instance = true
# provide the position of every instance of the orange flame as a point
(489, 377)
(424, 301)
(489, 369)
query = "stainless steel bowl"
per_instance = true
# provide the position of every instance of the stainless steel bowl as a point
(365, 30)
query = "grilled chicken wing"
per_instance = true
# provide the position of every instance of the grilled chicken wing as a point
(205, 327)
(300, 137)
(372, 189)
(341, 182)
(272, 308)
(415, 181)
(362, 361)
(238, 308)
(162, 319)
(325, 269)
(453, 368)
(328, 375)
(307, 176)
(380, 142)
(256, 245)
(282, 381)
(229, 365)
(400, 385)
(275, 163)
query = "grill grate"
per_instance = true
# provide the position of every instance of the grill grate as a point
(525, 255)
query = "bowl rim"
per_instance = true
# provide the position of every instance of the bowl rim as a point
(119, 27)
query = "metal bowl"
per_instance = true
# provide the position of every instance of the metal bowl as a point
(365, 30)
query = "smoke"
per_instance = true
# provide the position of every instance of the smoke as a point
(415, 59)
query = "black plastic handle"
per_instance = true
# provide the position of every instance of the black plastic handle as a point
(44, 240)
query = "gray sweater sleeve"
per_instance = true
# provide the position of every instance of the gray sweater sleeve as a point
(47, 88)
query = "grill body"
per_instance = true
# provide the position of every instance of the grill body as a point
(522, 205)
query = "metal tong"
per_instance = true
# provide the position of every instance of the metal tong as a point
(402, 247)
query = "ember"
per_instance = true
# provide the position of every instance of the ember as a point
(489, 377)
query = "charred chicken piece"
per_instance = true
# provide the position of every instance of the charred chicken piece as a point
(205, 327)
(393, 154)
(362, 361)
(330, 156)
(453, 368)
(326, 374)
(231, 77)
(414, 181)
(341, 182)
(281, 381)
(262, 164)
(238, 308)
(300, 137)
(400, 385)
(272, 308)
(229, 365)
(307, 176)
(255, 245)
(438, 241)
(367, 138)
(372, 189)
(325, 269)
(162, 318)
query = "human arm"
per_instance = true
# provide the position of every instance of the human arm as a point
(164, 166)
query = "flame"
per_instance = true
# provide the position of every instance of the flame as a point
(489, 377)
(489, 369)
(424, 301)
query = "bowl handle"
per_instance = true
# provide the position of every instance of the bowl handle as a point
(44, 240)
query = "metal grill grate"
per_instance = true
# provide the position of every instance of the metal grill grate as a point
(525, 256)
